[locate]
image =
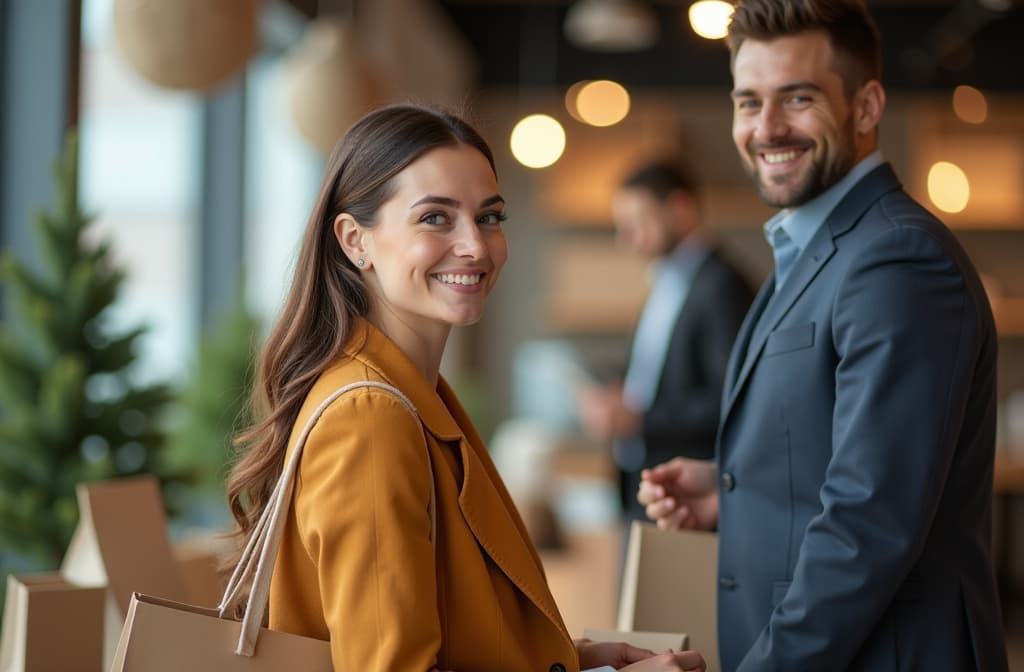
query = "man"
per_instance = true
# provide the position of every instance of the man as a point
(853, 482)
(670, 400)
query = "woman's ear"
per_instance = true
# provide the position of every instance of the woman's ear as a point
(351, 239)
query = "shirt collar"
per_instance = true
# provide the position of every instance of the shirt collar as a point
(801, 223)
(686, 256)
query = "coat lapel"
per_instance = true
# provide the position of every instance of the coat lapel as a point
(771, 307)
(493, 518)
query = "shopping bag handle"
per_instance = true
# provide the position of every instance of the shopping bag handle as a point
(260, 552)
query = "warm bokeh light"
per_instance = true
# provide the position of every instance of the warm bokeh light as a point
(970, 105)
(602, 103)
(537, 141)
(948, 187)
(710, 18)
(571, 94)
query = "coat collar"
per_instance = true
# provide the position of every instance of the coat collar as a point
(770, 307)
(369, 346)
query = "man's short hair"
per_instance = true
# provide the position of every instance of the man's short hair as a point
(850, 29)
(660, 178)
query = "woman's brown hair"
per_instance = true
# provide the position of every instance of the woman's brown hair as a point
(850, 29)
(327, 291)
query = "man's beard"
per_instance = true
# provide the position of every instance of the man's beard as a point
(822, 175)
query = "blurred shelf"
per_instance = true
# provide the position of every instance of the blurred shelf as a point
(1009, 314)
(1009, 475)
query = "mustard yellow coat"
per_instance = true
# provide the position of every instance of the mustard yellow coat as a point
(356, 565)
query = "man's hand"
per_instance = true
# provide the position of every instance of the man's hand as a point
(604, 415)
(681, 494)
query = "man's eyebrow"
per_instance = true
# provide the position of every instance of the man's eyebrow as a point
(786, 88)
(798, 86)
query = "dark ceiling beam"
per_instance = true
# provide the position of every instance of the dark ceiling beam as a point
(974, 46)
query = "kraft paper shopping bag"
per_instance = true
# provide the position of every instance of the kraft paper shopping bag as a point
(162, 635)
(121, 544)
(51, 624)
(654, 641)
(670, 584)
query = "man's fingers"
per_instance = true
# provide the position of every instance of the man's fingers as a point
(649, 493)
(660, 508)
(681, 518)
(691, 661)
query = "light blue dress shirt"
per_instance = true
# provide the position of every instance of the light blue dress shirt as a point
(790, 230)
(673, 277)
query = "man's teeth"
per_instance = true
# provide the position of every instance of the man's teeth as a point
(451, 279)
(780, 157)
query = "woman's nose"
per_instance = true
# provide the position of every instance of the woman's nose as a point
(469, 241)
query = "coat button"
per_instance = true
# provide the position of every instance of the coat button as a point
(726, 583)
(728, 481)
(557, 667)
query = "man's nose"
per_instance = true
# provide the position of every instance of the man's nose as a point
(771, 124)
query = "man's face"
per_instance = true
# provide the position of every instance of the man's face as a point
(643, 224)
(792, 123)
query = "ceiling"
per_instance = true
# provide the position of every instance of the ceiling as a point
(926, 44)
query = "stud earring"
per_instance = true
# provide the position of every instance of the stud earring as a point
(361, 262)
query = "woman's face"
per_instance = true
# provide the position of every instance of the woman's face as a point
(437, 245)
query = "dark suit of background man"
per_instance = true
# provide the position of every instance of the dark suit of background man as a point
(669, 403)
(853, 485)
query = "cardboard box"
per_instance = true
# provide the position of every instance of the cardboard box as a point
(51, 624)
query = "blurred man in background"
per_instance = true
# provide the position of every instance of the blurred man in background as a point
(669, 403)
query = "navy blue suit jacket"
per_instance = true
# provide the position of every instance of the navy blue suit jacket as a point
(856, 453)
(683, 417)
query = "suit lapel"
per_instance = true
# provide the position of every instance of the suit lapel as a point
(774, 306)
(738, 355)
(810, 262)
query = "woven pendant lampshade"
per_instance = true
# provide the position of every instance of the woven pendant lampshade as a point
(611, 25)
(420, 53)
(187, 44)
(331, 84)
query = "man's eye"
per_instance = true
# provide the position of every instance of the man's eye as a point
(747, 104)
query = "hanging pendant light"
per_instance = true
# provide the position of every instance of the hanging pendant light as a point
(187, 44)
(611, 25)
(417, 49)
(331, 85)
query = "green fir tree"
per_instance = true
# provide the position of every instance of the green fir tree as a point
(71, 409)
(213, 407)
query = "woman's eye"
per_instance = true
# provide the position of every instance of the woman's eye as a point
(492, 218)
(435, 219)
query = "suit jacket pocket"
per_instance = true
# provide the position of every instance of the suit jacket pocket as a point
(789, 339)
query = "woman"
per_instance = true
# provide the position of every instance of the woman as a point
(404, 242)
